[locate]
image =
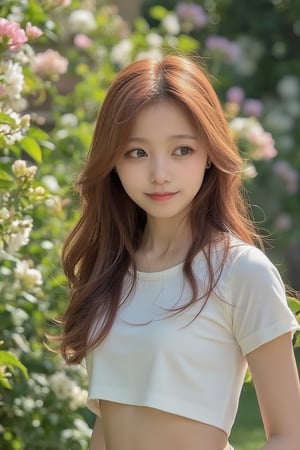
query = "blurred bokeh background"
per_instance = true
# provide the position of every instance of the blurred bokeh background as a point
(57, 58)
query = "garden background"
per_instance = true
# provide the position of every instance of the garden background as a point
(57, 58)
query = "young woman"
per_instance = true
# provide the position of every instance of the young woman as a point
(170, 300)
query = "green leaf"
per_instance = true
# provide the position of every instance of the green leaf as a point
(9, 360)
(294, 304)
(5, 176)
(187, 43)
(297, 340)
(5, 118)
(158, 12)
(32, 148)
(5, 184)
(37, 133)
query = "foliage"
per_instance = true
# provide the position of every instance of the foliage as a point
(57, 59)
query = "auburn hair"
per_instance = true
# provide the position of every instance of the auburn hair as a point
(101, 247)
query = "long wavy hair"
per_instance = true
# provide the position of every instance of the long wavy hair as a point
(101, 247)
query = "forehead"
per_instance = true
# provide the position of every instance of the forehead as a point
(164, 115)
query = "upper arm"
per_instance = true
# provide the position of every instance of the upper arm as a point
(97, 439)
(275, 377)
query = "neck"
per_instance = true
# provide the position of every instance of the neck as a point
(164, 242)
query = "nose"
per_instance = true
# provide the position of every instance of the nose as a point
(160, 171)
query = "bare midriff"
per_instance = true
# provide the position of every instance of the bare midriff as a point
(128, 427)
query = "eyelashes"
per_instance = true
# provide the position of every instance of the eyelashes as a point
(138, 153)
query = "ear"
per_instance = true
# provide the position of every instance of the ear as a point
(208, 164)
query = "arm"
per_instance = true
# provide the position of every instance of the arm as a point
(276, 382)
(97, 439)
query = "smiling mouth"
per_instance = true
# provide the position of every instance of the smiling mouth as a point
(161, 196)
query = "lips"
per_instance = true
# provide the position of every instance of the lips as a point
(161, 196)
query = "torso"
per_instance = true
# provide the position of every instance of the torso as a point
(128, 427)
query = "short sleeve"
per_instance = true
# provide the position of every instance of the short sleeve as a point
(260, 310)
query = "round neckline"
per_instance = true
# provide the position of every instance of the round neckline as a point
(176, 268)
(166, 272)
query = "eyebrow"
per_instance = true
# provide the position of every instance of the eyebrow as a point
(174, 136)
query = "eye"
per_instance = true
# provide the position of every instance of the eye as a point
(136, 153)
(183, 151)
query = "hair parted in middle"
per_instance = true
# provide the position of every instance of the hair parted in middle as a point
(102, 245)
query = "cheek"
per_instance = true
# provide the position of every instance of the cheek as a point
(128, 178)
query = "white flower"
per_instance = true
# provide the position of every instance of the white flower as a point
(66, 389)
(250, 171)
(154, 53)
(20, 169)
(4, 213)
(12, 79)
(81, 21)
(69, 120)
(78, 399)
(51, 183)
(171, 23)
(154, 40)
(32, 277)
(19, 316)
(121, 52)
(19, 234)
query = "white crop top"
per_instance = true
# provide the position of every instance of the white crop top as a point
(191, 368)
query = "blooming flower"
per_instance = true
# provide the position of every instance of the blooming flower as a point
(82, 41)
(33, 32)
(20, 169)
(253, 107)
(13, 133)
(171, 24)
(283, 222)
(31, 277)
(260, 143)
(191, 16)
(19, 235)
(82, 21)
(66, 389)
(12, 35)
(50, 62)
(69, 120)
(154, 53)
(11, 79)
(288, 174)
(222, 45)
(235, 94)
(62, 3)
(154, 40)
(121, 52)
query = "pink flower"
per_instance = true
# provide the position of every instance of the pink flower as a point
(263, 142)
(82, 41)
(192, 13)
(50, 62)
(288, 174)
(33, 32)
(253, 107)
(235, 94)
(283, 222)
(222, 45)
(12, 35)
(62, 3)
